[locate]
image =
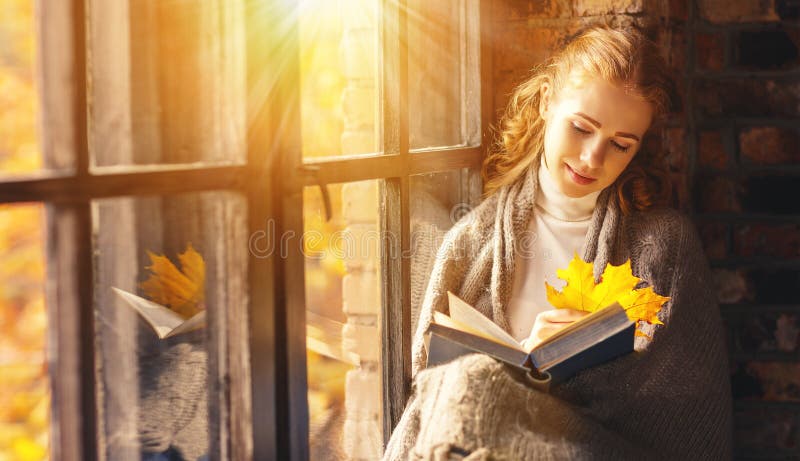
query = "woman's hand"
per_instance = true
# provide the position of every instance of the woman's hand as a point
(549, 322)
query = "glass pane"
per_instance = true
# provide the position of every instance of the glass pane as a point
(24, 383)
(443, 73)
(167, 82)
(342, 263)
(339, 73)
(438, 200)
(166, 268)
(20, 151)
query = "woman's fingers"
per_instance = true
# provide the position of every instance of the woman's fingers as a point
(549, 322)
(539, 333)
(536, 338)
(528, 344)
(562, 315)
(545, 332)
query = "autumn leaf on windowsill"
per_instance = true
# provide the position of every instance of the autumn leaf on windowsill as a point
(183, 291)
(616, 285)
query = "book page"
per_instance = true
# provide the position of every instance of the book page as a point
(442, 319)
(161, 319)
(195, 322)
(465, 314)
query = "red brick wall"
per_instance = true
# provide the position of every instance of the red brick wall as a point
(734, 150)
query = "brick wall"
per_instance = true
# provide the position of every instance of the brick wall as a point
(746, 105)
(734, 150)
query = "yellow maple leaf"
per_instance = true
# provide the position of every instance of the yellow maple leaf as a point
(617, 285)
(643, 304)
(182, 290)
(580, 284)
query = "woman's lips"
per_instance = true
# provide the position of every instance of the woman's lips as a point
(582, 180)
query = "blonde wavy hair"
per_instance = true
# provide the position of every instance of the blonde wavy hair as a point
(622, 57)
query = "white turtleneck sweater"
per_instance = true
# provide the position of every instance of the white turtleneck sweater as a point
(558, 229)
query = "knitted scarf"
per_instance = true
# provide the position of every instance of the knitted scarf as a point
(670, 399)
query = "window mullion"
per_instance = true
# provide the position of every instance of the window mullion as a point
(71, 336)
(394, 219)
(80, 80)
(386, 166)
(486, 66)
(262, 272)
(69, 294)
(279, 92)
(82, 255)
(63, 188)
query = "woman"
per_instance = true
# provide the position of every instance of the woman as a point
(571, 175)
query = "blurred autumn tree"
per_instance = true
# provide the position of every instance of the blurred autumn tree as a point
(24, 388)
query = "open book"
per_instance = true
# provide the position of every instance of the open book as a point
(164, 322)
(594, 339)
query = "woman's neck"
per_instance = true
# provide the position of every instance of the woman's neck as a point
(559, 205)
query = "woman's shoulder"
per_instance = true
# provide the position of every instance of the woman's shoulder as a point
(666, 222)
(663, 230)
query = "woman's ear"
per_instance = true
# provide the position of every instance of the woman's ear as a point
(544, 99)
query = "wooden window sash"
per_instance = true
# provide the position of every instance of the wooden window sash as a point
(394, 166)
(71, 194)
(284, 111)
(70, 253)
(70, 330)
(69, 245)
(175, 179)
(394, 218)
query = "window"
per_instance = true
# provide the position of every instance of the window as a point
(144, 149)
(186, 135)
(390, 174)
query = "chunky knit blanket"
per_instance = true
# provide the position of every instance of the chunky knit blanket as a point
(173, 418)
(670, 399)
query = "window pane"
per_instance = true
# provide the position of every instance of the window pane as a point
(20, 151)
(167, 82)
(24, 383)
(340, 83)
(183, 259)
(443, 73)
(438, 200)
(343, 312)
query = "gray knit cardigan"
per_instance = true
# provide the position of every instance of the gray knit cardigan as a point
(670, 399)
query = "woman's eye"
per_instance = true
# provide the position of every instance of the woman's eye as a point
(620, 147)
(616, 145)
(580, 130)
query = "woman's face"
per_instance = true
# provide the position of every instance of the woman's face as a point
(592, 131)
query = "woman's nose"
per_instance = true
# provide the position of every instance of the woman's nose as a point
(592, 154)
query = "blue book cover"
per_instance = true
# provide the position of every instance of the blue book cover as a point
(620, 343)
(595, 339)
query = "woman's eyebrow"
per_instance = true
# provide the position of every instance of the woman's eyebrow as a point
(598, 125)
